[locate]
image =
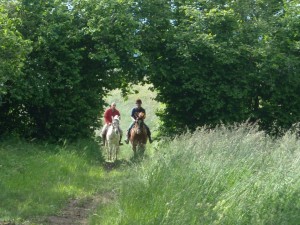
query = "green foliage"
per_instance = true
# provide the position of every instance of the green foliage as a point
(13, 50)
(227, 175)
(281, 65)
(79, 53)
(64, 95)
(209, 61)
(224, 61)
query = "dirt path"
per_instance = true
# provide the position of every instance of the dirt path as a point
(77, 211)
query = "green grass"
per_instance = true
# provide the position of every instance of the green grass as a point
(234, 175)
(38, 179)
(220, 176)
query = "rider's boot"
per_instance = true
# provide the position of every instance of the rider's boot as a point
(127, 137)
(103, 139)
(120, 142)
(150, 139)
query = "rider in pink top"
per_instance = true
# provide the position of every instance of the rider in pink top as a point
(111, 113)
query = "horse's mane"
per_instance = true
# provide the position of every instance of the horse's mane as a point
(141, 116)
(116, 117)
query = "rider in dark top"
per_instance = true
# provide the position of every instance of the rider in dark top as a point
(134, 115)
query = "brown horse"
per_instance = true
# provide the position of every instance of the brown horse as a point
(138, 136)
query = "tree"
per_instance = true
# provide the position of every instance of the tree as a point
(280, 104)
(80, 52)
(210, 61)
(13, 50)
(213, 61)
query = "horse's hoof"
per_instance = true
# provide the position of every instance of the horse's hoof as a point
(127, 141)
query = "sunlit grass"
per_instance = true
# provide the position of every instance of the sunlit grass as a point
(38, 179)
(234, 175)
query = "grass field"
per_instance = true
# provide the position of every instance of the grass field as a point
(234, 175)
(38, 179)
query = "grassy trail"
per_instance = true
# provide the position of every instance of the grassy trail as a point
(226, 175)
(50, 184)
(42, 183)
(81, 211)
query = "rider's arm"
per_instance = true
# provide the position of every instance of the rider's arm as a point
(132, 114)
(118, 113)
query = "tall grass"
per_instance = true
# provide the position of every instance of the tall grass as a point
(38, 179)
(234, 175)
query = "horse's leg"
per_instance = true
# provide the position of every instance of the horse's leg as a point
(137, 149)
(117, 151)
(142, 147)
(113, 153)
(110, 151)
(107, 153)
(114, 157)
(134, 149)
(107, 150)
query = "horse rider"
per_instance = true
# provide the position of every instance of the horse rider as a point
(109, 114)
(134, 116)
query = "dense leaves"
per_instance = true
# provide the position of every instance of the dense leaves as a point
(13, 50)
(79, 53)
(210, 61)
(226, 61)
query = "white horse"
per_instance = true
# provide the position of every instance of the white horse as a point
(113, 139)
